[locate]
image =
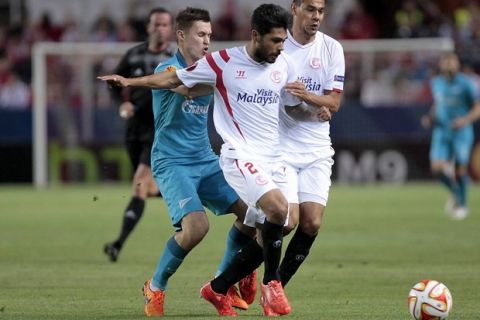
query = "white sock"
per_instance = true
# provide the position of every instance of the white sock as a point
(153, 287)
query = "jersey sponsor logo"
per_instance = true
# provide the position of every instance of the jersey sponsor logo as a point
(240, 74)
(276, 76)
(192, 67)
(310, 85)
(315, 63)
(339, 78)
(262, 97)
(191, 106)
(183, 202)
(171, 68)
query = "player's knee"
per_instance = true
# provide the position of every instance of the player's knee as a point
(460, 171)
(311, 225)
(277, 211)
(287, 229)
(196, 231)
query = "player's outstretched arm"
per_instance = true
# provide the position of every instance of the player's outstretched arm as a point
(161, 80)
(196, 91)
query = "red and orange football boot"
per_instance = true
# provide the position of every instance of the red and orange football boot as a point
(153, 301)
(248, 287)
(237, 301)
(221, 302)
(273, 299)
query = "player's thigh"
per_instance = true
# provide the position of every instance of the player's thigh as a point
(314, 181)
(179, 185)
(441, 146)
(249, 179)
(284, 178)
(462, 145)
(214, 191)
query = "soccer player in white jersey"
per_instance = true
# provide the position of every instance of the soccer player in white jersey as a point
(320, 66)
(249, 84)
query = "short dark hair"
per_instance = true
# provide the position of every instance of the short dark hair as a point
(269, 16)
(159, 10)
(187, 17)
(297, 2)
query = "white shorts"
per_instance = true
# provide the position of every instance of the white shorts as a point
(251, 179)
(311, 173)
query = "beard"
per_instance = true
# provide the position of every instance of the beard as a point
(262, 55)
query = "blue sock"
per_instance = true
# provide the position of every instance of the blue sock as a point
(462, 190)
(169, 262)
(451, 185)
(236, 240)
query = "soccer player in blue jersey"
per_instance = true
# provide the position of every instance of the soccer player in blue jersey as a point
(185, 167)
(456, 106)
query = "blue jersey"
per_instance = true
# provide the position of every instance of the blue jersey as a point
(181, 135)
(453, 98)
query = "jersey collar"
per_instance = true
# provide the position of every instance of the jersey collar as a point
(292, 39)
(181, 59)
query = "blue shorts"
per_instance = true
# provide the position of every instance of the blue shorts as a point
(189, 188)
(452, 145)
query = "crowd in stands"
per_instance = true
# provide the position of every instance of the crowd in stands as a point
(347, 19)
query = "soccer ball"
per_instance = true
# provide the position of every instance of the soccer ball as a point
(428, 300)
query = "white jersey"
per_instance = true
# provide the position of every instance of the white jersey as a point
(247, 97)
(320, 65)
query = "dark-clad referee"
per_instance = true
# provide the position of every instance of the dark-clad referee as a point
(136, 107)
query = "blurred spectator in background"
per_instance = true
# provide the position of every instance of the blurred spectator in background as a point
(103, 30)
(358, 24)
(409, 20)
(14, 93)
(226, 24)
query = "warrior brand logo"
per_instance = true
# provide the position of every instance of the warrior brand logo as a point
(310, 85)
(276, 76)
(191, 106)
(299, 257)
(315, 63)
(262, 97)
(277, 244)
(339, 78)
(240, 74)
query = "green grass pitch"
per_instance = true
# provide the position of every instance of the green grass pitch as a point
(376, 242)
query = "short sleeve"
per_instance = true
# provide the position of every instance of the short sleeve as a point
(336, 71)
(198, 73)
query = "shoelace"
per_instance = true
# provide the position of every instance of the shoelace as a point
(276, 290)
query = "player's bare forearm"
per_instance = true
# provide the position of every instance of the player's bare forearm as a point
(196, 91)
(306, 113)
(331, 99)
(161, 80)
